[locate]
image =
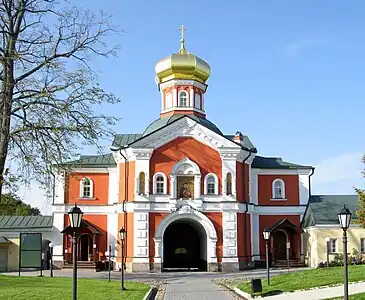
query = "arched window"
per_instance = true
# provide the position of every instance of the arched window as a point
(211, 184)
(86, 188)
(160, 184)
(278, 189)
(229, 184)
(183, 99)
(142, 183)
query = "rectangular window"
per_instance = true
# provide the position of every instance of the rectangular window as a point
(333, 246)
(159, 188)
(211, 188)
(87, 192)
(362, 244)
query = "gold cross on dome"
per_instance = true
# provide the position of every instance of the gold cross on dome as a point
(182, 28)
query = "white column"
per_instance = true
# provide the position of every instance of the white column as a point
(191, 98)
(141, 237)
(229, 236)
(173, 186)
(174, 97)
(112, 228)
(197, 186)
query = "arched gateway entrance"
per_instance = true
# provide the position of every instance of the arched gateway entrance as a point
(184, 246)
(186, 240)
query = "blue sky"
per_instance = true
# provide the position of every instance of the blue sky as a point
(289, 74)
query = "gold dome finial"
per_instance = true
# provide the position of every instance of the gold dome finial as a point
(182, 41)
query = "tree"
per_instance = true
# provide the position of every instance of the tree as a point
(360, 213)
(49, 91)
(12, 205)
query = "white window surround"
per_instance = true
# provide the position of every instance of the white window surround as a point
(215, 183)
(83, 186)
(164, 182)
(183, 99)
(278, 182)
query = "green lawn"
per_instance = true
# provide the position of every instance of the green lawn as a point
(12, 287)
(306, 279)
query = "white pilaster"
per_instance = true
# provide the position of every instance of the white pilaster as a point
(254, 188)
(255, 236)
(197, 186)
(112, 186)
(174, 97)
(58, 224)
(112, 227)
(229, 237)
(303, 189)
(59, 189)
(173, 186)
(141, 237)
(191, 98)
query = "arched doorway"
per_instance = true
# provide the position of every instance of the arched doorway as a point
(184, 247)
(280, 240)
(85, 247)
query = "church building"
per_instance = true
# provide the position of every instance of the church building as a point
(188, 195)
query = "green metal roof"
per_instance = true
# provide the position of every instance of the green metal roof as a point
(26, 223)
(261, 162)
(121, 140)
(94, 161)
(323, 209)
(162, 122)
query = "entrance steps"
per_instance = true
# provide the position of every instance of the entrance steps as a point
(284, 263)
(80, 265)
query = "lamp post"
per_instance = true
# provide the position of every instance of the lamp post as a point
(266, 233)
(122, 234)
(327, 240)
(344, 217)
(75, 215)
(51, 245)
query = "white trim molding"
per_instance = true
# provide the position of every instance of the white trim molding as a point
(216, 184)
(164, 183)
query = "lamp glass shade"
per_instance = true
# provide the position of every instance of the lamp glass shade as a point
(266, 233)
(106, 253)
(122, 233)
(75, 215)
(51, 245)
(344, 217)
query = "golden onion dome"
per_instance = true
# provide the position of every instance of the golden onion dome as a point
(182, 65)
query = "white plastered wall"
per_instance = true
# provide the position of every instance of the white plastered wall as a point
(229, 236)
(141, 236)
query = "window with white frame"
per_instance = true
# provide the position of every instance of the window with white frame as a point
(211, 184)
(160, 184)
(278, 189)
(332, 246)
(183, 99)
(362, 245)
(86, 188)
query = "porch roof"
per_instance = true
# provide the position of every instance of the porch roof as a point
(4, 240)
(285, 223)
(84, 225)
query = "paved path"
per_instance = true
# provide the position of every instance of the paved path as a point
(324, 293)
(195, 289)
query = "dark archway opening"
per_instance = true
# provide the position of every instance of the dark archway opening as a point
(280, 239)
(184, 247)
(85, 247)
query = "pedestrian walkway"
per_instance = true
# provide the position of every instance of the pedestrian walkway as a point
(324, 293)
(195, 289)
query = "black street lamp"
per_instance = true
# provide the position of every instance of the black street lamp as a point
(75, 215)
(266, 233)
(344, 216)
(51, 245)
(122, 234)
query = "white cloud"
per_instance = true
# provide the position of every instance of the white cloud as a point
(295, 47)
(339, 174)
